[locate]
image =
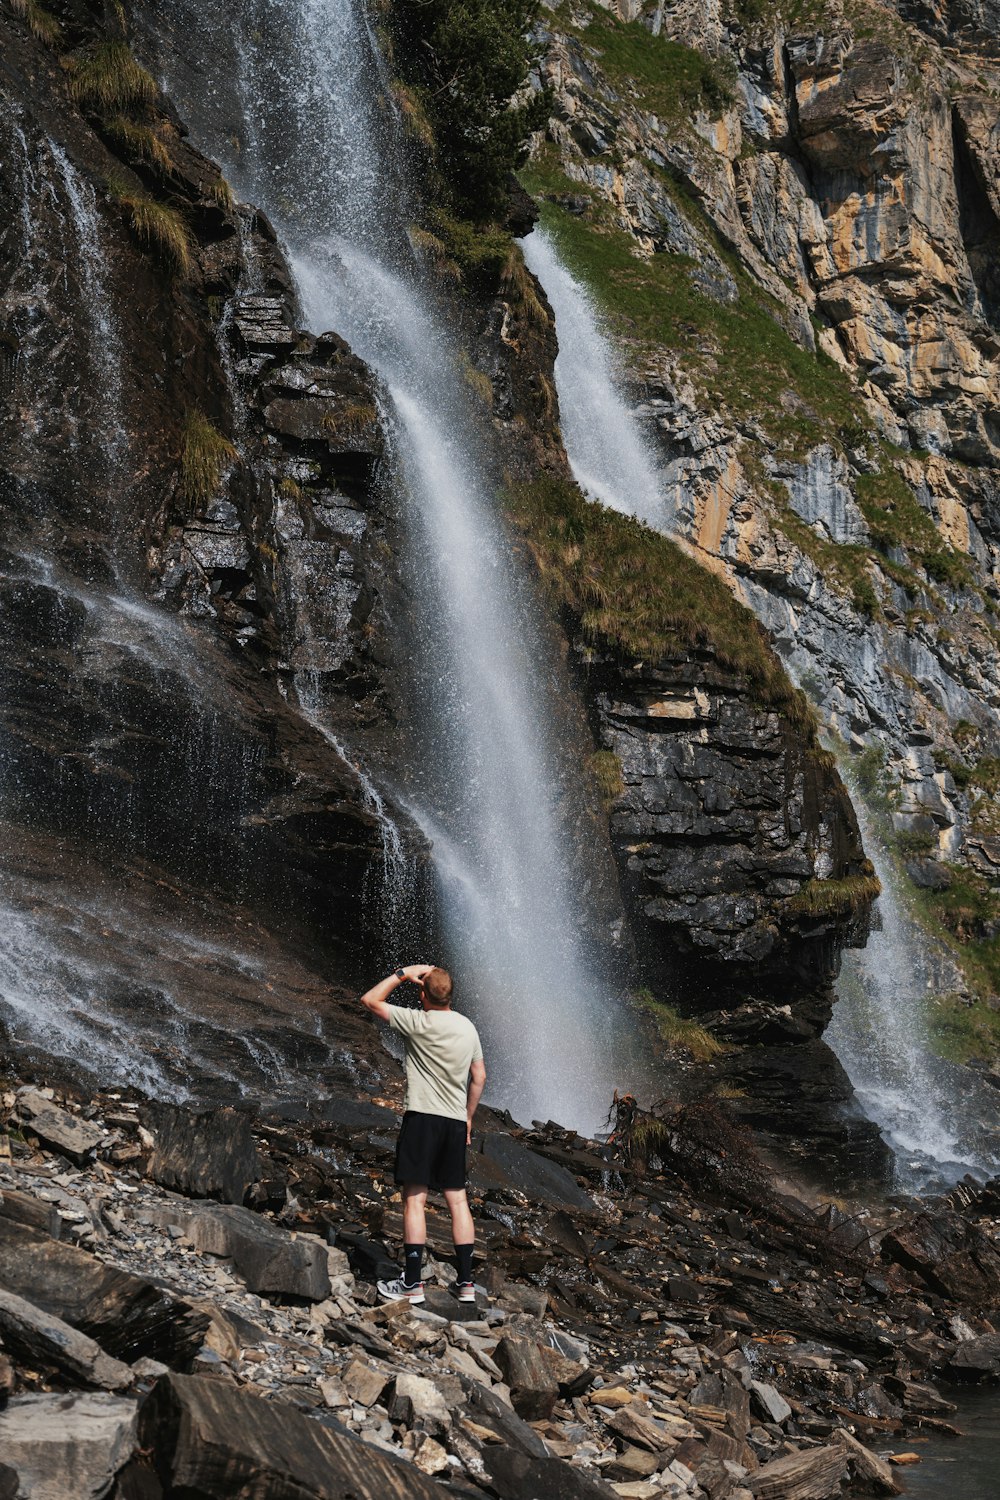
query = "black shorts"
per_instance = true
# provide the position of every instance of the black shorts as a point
(430, 1151)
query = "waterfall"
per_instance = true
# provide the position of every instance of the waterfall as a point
(938, 1118)
(318, 154)
(609, 455)
(105, 351)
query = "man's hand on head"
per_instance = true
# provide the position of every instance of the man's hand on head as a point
(417, 972)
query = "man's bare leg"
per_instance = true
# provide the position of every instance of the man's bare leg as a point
(463, 1232)
(414, 1230)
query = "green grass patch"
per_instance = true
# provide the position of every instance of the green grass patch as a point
(205, 456)
(139, 142)
(677, 1031)
(109, 79)
(667, 78)
(965, 1033)
(742, 358)
(636, 590)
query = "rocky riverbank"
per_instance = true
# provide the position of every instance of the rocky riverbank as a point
(187, 1307)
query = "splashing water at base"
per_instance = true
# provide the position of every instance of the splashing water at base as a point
(307, 99)
(938, 1118)
(607, 451)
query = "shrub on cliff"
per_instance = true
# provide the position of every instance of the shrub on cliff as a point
(467, 60)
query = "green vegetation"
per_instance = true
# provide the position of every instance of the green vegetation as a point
(635, 590)
(669, 79)
(159, 226)
(677, 1031)
(109, 79)
(835, 898)
(896, 519)
(463, 63)
(605, 767)
(41, 23)
(740, 355)
(965, 1033)
(205, 455)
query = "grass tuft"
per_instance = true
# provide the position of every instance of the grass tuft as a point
(635, 590)
(677, 1031)
(110, 80)
(159, 226)
(834, 898)
(139, 142)
(41, 23)
(669, 79)
(205, 456)
(605, 767)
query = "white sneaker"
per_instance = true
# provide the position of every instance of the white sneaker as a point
(398, 1291)
(464, 1291)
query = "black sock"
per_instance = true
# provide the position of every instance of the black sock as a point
(414, 1263)
(463, 1259)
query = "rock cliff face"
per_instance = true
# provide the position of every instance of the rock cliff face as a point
(833, 176)
(168, 431)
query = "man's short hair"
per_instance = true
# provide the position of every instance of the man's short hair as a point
(437, 986)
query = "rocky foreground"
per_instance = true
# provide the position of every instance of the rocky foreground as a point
(187, 1308)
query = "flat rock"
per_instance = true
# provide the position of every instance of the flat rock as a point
(206, 1440)
(67, 1445)
(129, 1317)
(814, 1474)
(531, 1174)
(769, 1403)
(635, 1424)
(210, 1154)
(417, 1402)
(363, 1383)
(25, 1208)
(269, 1258)
(489, 1412)
(42, 1340)
(57, 1128)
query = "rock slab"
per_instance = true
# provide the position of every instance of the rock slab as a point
(207, 1155)
(206, 1439)
(62, 1445)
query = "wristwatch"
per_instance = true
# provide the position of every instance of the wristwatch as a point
(400, 974)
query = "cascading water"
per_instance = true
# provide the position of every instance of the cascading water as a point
(608, 454)
(938, 1118)
(317, 155)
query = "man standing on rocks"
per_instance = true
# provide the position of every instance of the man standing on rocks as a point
(445, 1075)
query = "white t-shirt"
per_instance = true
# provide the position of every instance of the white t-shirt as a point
(441, 1047)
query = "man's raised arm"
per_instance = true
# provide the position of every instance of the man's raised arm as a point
(376, 999)
(477, 1082)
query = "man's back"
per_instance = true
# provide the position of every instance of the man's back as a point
(441, 1046)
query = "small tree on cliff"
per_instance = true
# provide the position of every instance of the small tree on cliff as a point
(468, 60)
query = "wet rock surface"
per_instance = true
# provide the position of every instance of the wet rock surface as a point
(692, 1330)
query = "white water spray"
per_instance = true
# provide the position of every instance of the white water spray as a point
(608, 453)
(318, 156)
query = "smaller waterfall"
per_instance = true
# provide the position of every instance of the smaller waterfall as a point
(938, 1118)
(105, 353)
(609, 456)
(395, 886)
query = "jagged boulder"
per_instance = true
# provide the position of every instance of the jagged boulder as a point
(66, 1445)
(206, 1154)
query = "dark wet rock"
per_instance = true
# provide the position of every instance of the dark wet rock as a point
(368, 1258)
(45, 1342)
(530, 1173)
(490, 1412)
(205, 1439)
(9, 1482)
(976, 1358)
(533, 1386)
(204, 1155)
(515, 1476)
(128, 1316)
(62, 1444)
(949, 1255)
